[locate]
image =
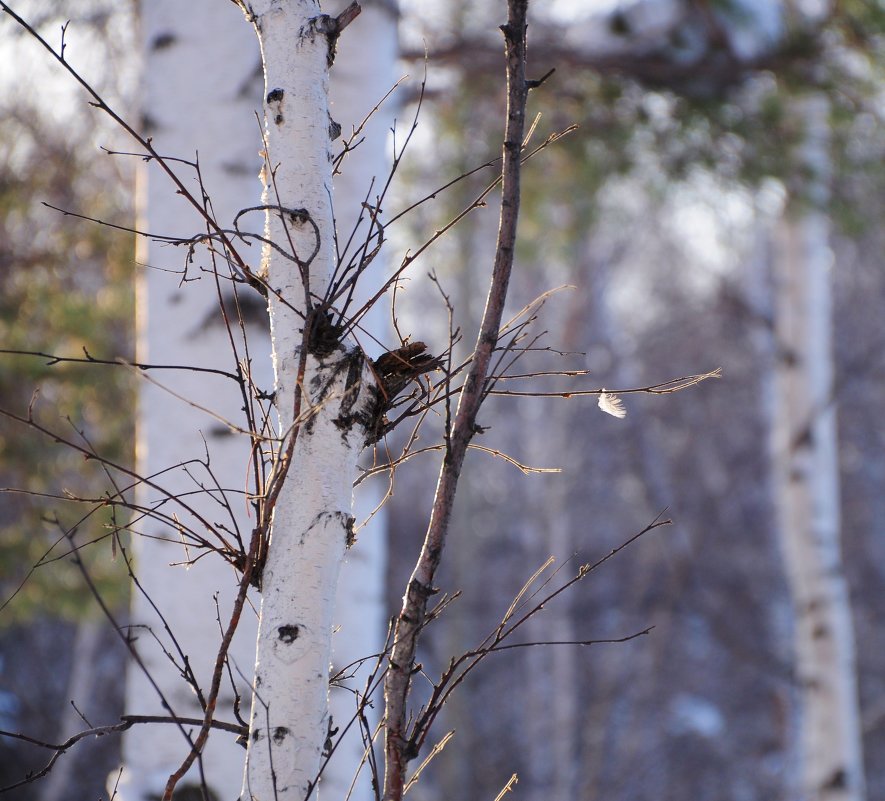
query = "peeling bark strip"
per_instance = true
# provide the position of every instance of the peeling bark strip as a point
(324, 396)
(402, 745)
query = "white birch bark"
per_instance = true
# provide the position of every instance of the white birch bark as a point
(807, 482)
(312, 516)
(200, 96)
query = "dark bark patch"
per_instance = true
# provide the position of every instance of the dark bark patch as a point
(279, 734)
(247, 88)
(238, 168)
(275, 98)
(331, 731)
(838, 781)
(219, 431)
(325, 336)
(334, 129)
(788, 357)
(148, 124)
(288, 633)
(348, 417)
(163, 40)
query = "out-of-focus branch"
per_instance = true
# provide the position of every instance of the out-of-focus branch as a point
(715, 67)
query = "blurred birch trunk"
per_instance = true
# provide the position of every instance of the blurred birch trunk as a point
(806, 473)
(360, 77)
(200, 94)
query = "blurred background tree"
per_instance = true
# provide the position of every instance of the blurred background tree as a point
(663, 212)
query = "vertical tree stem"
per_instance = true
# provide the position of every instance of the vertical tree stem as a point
(398, 745)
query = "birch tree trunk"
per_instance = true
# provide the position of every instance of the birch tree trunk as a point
(323, 402)
(807, 481)
(200, 95)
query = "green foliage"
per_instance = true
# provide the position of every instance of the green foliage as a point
(65, 288)
(741, 127)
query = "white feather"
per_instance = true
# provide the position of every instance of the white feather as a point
(612, 404)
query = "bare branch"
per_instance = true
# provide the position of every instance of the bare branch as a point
(399, 751)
